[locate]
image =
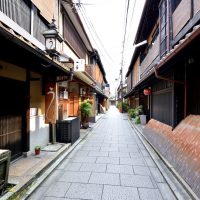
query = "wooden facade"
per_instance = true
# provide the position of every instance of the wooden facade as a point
(39, 91)
(170, 68)
(150, 55)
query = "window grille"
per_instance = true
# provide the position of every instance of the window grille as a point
(19, 11)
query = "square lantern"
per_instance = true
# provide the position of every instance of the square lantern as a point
(52, 39)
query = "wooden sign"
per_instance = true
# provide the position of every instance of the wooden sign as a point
(50, 103)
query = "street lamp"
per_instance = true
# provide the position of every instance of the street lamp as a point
(52, 39)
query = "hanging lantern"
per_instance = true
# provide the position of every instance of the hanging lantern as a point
(147, 91)
(52, 39)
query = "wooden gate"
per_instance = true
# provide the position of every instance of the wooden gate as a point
(73, 105)
(12, 111)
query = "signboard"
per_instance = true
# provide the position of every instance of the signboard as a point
(79, 65)
(50, 103)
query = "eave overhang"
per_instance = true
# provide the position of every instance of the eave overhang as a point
(31, 48)
(190, 37)
(75, 19)
(85, 77)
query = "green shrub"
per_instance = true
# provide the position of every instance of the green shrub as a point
(139, 110)
(125, 106)
(131, 113)
(137, 120)
(85, 108)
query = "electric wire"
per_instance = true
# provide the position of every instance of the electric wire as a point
(94, 30)
(123, 45)
(133, 11)
(94, 39)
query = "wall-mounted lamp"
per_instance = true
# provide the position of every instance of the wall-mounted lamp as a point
(52, 39)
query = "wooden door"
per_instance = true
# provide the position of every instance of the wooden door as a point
(73, 105)
(12, 112)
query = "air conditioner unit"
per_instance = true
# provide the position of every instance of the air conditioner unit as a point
(4, 167)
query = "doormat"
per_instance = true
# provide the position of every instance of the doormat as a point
(52, 147)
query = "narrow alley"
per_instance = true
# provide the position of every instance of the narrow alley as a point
(110, 164)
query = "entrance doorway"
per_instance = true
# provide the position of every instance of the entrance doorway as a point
(12, 110)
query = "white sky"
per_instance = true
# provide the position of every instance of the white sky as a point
(108, 19)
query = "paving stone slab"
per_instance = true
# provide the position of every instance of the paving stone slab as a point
(120, 169)
(84, 159)
(109, 149)
(135, 155)
(129, 149)
(136, 181)
(90, 167)
(149, 194)
(145, 153)
(78, 177)
(157, 175)
(141, 170)
(85, 191)
(58, 189)
(119, 154)
(132, 161)
(119, 193)
(72, 167)
(81, 153)
(98, 153)
(149, 162)
(105, 178)
(90, 149)
(107, 160)
(118, 145)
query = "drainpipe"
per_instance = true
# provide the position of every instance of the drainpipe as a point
(178, 82)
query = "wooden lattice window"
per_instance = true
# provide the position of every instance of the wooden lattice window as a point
(164, 28)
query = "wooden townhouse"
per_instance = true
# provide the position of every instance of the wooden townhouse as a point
(166, 64)
(25, 68)
(37, 89)
(89, 81)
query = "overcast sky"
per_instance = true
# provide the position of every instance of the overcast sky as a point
(108, 20)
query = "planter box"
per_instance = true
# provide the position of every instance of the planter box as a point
(143, 119)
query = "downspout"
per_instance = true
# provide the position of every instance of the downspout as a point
(178, 82)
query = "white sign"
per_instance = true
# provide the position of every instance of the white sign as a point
(79, 65)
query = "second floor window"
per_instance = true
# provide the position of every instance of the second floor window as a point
(164, 26)
(19, 11)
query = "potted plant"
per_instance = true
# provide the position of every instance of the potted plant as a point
(85, 109)
(131, 113)
(143, 117)
(119, 106)
(37, 149)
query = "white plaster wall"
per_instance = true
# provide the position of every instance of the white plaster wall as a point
(39, 132)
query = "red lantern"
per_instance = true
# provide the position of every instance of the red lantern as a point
(147, 91)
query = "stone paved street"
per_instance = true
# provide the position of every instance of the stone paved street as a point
(110, 164)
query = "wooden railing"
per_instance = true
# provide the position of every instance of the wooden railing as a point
(150, 57)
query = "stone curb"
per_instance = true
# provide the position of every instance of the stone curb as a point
(183, 186)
